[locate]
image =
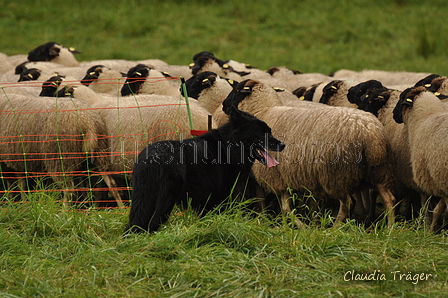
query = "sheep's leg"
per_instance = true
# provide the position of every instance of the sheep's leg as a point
(425, 210)
(389, 202)
(259, 192)
(286, 208)
(437, 212)
(68, 193)
(112, 185)
(343, 210)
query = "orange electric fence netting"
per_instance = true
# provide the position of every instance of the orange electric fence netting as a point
(53, 161)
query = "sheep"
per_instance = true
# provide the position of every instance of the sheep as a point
(120, 65)
(5, 64)
(57, 136)
(206, 61)
(134, 121)
(381, 101)
(438, 85)
(335, 93)
(141, 79)
(296, 79)
(210, 90)
(102, 79)
(316, 138)
(387, 78)
(52, 51)
(425, 118)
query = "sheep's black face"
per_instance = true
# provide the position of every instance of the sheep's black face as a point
(197, 83)
(426, 81)
(329, 90)
(374, 100)
(45, 52)
(238, 94)
(51, 86)
(356, 92)
(407, 98)
(92, 74)
(31, 74)
(136, 77)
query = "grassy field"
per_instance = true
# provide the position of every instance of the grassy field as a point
(46, 251)
(312, 36)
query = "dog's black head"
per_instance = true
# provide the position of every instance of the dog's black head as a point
(136, 76)
(31, 74)
(255, 135)
(51, 86)
(356, 92)
(406, 101)
(374, 100)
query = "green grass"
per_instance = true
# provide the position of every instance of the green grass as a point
(312, 36)
(48, 252)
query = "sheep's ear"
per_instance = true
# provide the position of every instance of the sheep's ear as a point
(246, 90)
(278, 89)
(231, 82)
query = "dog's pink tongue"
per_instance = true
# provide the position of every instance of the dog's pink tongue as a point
(270, 161)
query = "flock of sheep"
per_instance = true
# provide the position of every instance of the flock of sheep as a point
(350, 136)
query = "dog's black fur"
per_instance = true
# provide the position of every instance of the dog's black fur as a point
(204, 168)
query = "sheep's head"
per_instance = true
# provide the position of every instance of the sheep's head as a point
(92, 74)
(51, 88)
(31, 74)
(356, 92)
(238, 94)
(136, 76)
(47, 52)
(197, 83)
(407, 98)
(329, 90)
(374, 100)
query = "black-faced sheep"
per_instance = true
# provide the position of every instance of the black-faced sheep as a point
(52, 51)
(142, 79)
(335, 93)
(210, 90)
(426, 121)
(381, 101)
(330, 151)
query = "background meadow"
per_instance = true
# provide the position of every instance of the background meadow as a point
(46, 251)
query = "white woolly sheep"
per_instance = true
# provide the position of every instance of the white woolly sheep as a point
(53, 135)
(387, 78)
(134, 121)
(426, 118)
(330, 151)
